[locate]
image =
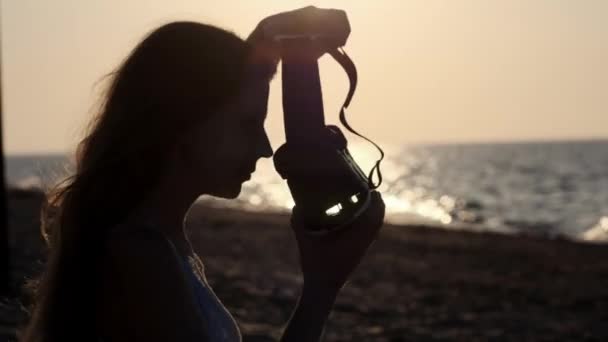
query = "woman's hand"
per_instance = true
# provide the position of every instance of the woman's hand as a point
(328, 260)
(302, 21)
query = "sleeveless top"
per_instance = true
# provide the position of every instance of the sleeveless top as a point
(219, 323)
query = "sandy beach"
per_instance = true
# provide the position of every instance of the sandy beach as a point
(416, 283)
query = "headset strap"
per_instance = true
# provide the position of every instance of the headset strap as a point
(342, 58)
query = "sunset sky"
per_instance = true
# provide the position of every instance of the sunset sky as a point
(430, 71)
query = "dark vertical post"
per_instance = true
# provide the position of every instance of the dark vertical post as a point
(4, 245)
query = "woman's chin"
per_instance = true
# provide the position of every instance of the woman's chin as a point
(231, 192)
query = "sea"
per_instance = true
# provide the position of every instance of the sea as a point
(553, 189)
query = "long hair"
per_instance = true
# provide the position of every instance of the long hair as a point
(174, 77)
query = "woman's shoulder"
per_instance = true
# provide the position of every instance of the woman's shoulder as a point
(139, 254)
(148, 287)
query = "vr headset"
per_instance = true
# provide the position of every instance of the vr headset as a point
(328, 187)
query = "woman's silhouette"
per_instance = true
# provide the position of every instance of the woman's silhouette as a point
(183, 116)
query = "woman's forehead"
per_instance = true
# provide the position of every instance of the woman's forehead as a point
(250, 103)
(254, 95)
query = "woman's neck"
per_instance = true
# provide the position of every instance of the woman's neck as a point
(165, 209)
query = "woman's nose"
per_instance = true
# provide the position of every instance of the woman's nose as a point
(265, 150)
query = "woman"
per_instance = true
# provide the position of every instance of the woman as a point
(183, 116)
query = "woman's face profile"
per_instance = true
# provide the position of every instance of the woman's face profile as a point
(228, 144)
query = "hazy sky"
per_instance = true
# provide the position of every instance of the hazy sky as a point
(430, 70)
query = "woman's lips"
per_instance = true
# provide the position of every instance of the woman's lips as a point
(247, 174)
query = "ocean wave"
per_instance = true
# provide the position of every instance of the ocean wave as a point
(597, 233)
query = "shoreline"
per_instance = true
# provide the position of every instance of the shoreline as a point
(219, 211)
